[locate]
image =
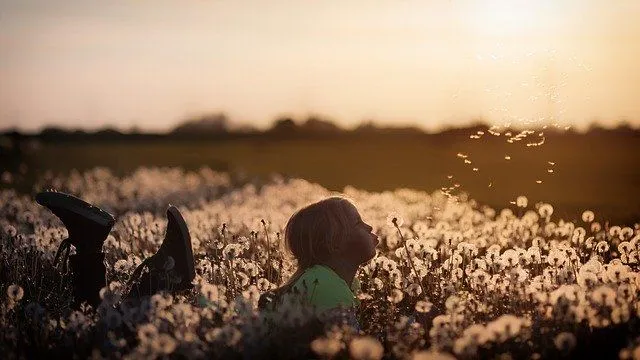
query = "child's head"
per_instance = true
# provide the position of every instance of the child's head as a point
(329, 229)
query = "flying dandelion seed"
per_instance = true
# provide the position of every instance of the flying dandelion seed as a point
(551, 163)
(550, 171)
(538, 181)
(475, 169)
(507, 157)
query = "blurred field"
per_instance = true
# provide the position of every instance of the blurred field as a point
(598, 172)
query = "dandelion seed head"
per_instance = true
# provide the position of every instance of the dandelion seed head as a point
(326, 347)
(423, 306)
(365, 348)
(565, 341)
(15, 293)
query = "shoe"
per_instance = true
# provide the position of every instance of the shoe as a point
(172, 266)
(88, 226)
(88, 274)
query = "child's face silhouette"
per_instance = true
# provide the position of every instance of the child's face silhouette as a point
(361, 246)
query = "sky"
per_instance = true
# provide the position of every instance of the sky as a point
(151, 64)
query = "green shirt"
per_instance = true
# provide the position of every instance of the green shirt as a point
(327, 290)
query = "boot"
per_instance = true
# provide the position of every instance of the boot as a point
(88, 227)
(89, 276)
(172, 267)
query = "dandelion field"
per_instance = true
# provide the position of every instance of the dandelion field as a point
(452, 279)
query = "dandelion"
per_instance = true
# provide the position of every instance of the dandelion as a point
(414, 290)
(431, 355)
(164, 344)
(76, 319)
(423, 306)
(587, 279)
(522, 201)
(326, 347)
(210, 292)
(545, 210)
(15, 293)
(396, 296)
(565, 342)
(121, 266)
(604, 295)
(533, 255)
(394, 219)
(510, 258)
(615, 231)
(231, 251)
(588, 216)
(365, 348)
(616, 273)
(378, 284)
(506, 326)
(264, 284)
(147, 333)
(556, 258)
(602, 247)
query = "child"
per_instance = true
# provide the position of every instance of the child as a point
(170, 268)
(330, 241)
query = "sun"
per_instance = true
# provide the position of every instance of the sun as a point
(508, 18)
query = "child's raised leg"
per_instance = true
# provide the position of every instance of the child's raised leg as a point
(88, 227)
(172, 267)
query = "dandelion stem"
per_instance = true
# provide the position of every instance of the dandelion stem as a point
(406, 248)
(266, 233)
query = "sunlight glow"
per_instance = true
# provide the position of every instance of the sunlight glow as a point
(513, 18)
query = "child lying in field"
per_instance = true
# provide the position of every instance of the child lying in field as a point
(328, 238)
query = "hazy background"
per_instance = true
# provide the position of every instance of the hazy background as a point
(150, 63)
(290, 87)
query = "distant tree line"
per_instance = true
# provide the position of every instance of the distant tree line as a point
(218, 126)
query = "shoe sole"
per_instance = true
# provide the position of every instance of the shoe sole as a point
(54, 199)
(184, 231)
